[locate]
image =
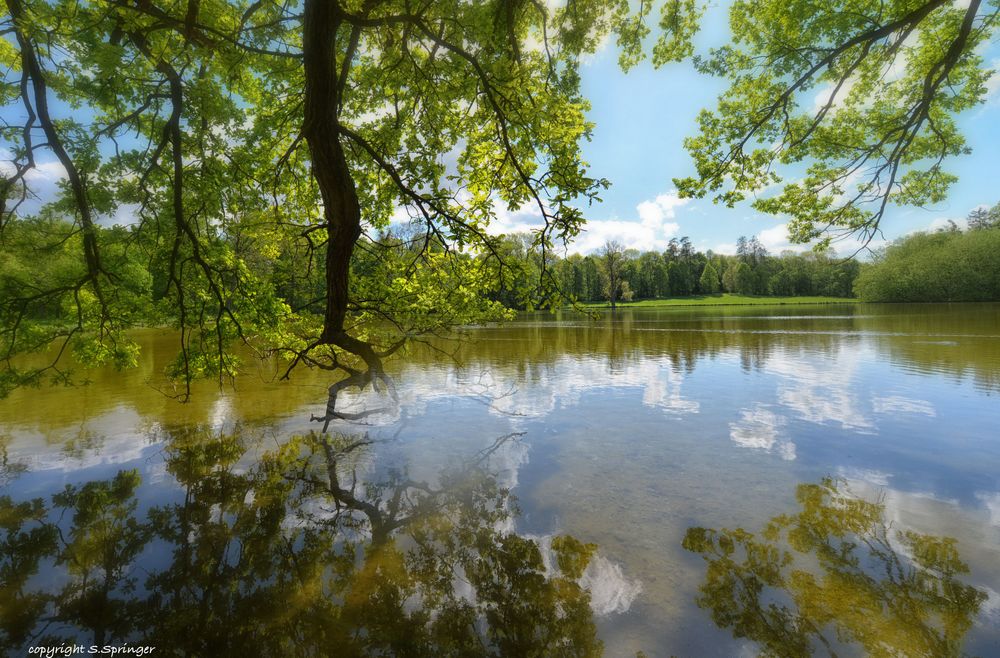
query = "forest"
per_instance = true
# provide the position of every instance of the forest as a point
(682, 271)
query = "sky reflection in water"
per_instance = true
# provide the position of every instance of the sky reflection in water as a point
(636, 429)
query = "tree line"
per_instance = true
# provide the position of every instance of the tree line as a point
(949, 265)
(616, 274)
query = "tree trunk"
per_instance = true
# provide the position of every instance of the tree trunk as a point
(321, 129)
(321, 24)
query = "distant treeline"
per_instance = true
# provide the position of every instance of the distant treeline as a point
(680, 271)
(950, 265)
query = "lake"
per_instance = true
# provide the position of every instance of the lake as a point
(689, 481)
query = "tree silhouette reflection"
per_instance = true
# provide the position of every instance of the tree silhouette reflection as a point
(835, 578)
(290, 553)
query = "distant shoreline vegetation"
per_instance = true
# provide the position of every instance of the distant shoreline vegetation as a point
(950, 265)
(680, 274)
(728, 299)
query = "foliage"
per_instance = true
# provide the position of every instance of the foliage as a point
(41, 303)
(615, 285)
(863, 96)
(946, 266)
(729, 299)
(709, 280)
(256, 148)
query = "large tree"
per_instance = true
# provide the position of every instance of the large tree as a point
(255, 145)
(857, 100)
(612, 257)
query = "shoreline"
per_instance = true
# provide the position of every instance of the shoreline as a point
(723, 300)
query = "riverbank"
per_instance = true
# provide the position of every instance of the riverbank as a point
(727, 299)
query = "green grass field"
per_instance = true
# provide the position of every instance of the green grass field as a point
(728, 300)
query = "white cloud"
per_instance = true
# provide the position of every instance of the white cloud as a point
(124, 215)
(823, 96)
(611, 591)
(855, 246)
(943, 223)
(870, 476)
(42, 180)
(525, 219)
(894, 404)
(653, 214)
(46, 172)
(633, 235)
(823, 394)
(651, 231)
(775, 239)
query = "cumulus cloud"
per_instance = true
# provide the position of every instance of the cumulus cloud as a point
(653, 214)
(759, 428)
(652, 228)
(524, 219)
(991, 501)
(775, 239)
(822, 395)
(42, 180)
(126, 214)
(826, 94)
(633, 235)
(894, 404)
(46, 172)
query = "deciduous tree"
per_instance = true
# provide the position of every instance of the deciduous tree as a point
(864, 95)
(255, 147)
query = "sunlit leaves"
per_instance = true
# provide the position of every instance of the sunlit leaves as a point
(188, 124)
(863, 96)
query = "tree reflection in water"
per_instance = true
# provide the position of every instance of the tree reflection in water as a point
(835, 577)
(290, 554)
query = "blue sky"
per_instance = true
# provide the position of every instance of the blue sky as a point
(642, 118)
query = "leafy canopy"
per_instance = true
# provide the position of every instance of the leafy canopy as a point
(856, 99)
(257, 148)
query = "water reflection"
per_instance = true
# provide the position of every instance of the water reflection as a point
(637, 427)
(292, 551)
(759, 428)
(548, 360)
(837, 577)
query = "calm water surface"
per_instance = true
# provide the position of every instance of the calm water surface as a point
(795, 479)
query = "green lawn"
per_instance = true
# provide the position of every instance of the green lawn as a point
(728, 300)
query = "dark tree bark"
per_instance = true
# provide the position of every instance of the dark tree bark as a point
(321, 129)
